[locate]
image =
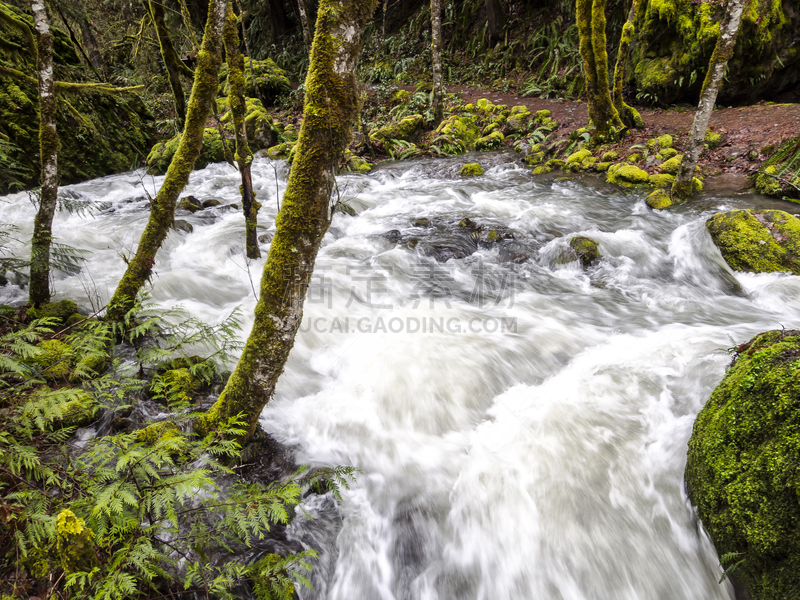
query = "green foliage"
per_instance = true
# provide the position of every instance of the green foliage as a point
(139, 513)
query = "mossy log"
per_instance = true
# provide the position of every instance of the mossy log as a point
(591, 20)
(243, 155)
(331, 108)
(49, 145)
(682, 188)
(162, 213)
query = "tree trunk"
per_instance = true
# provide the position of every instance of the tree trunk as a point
(729, 28)
(436, 46)
(331, 107)
(307, 38)
(187, 22)
(162, 212)
(243, 155)
(495, 19)
(172, 61)
(629, 115)
(49, 145)
(591, 19)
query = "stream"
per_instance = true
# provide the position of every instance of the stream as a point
(520, 422)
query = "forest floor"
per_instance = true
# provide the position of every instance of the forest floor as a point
(744, 129)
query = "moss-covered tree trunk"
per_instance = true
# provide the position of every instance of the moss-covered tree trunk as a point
(48, 148)
(436, 47)
(729, 28)
(243, 155)
(172, 61)
(629, 115)
(162, 211)
(331, 108)
(591, 19)
(301, 8)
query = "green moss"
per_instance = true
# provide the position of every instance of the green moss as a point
(662, 181)
(490, 128)
(634, 158)
(659, 200)
(75, 543)
(401, 97)
(742, 464)
(579, 156)
(602, 167)
(462, 128)
(280, 150)
(407, 129)
(627, 175)
(485, 105)
(666, 154)
(519, 120)
(543, 170)
(712, 140)
(270, 80)
(493, 141)
(542, 116)
(356, 164)
(471, 170)
(760, 241)
(61, 310)
(672, 165)
(54, 359)
(555, 164)
(534, 159)
(162, 153)
(610, 156)
(586, 249)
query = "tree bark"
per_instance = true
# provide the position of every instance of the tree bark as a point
(629, 115)
(243, 155)
(172, 61)
(436, 47)
(495, 19)
(331, 107)
(49, 145)
(162, 212)
(729, 28)
(307, 38)
(591, 19)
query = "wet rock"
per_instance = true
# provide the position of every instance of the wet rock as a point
(182, 225)
(659, 200)
(421, 222)
(758, 241)
(191, 204)
(471, 170)
(672, 165)
(407, 129)
(393, 236)
(211, 203)
(265, 238)
(586, 249)
(741, 468)
(61, 310)
(662, 180)
(627, 175)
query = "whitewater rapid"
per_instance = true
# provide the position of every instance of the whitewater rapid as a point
(520, 423)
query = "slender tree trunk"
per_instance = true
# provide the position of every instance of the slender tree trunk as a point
(187, 22)
(629, 115)
(172, 61)
(436, 46)
(301, 7)
(591, 19)
(729, 28)
(49, 145)
(496, 19)
(243, 155)
(162, 212)
(331, 107)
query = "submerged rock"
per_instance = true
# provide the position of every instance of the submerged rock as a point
(759, 241)
(470, 170)
(191, 204)
(586, 249)
(741, 470)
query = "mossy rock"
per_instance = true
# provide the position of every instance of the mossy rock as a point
(75, 543)
(767, 182)
(355, 164)
(534, 159)
(77, 412)
(55, 359)
(280, 150)
(407, 129)
(555, 164)
(634, 158)
(61, 310)
(400, 97)
(270, 80)
(162, 430)
(659, 200)
(602, 167)
(672, 165)
(742, 465)
(712, 140)
(519, 120)
(780, 174)
(485, 105)
(471, 170)
(659, 143)
(586, 249)
(666, 154)
(627, 175)
(543, 170)
(490, 128)
(89, 366)
(758, 241)
(579, 156)
(610, 156)
(191, 204)
(421, 222)
(493, 141)
(463, 128)
(664, 180)
(161, 154)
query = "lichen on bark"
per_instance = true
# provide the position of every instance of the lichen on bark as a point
(162, 212)
(331, 108)
(436, 47)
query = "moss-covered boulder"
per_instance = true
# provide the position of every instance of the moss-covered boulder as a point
(627, 175)
(407, 129)
(759, 241)
(672, 165)
(355, 164)
(676, 38)
(519, 120)
(471, 170)
(666, 153)
(712, 140)
(463, 128)
(191, 204)
(54, 359)
(662, 180)
(493, 141)
(270, 80)
(579, 156)
(743, 463)
(780, 174)
(161, 155)
(586, 249)
(659, 200)
(61, 310)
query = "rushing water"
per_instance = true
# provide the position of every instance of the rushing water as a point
(521, 423)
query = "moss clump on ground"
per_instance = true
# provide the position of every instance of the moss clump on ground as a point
(672, 165)
(493, 141)
(659, 200)
(61, 310)
(743, 464)
(407, 129)
(471, 170)
(270, 80)
(759, 241)
(662, 181)
(627, 175)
